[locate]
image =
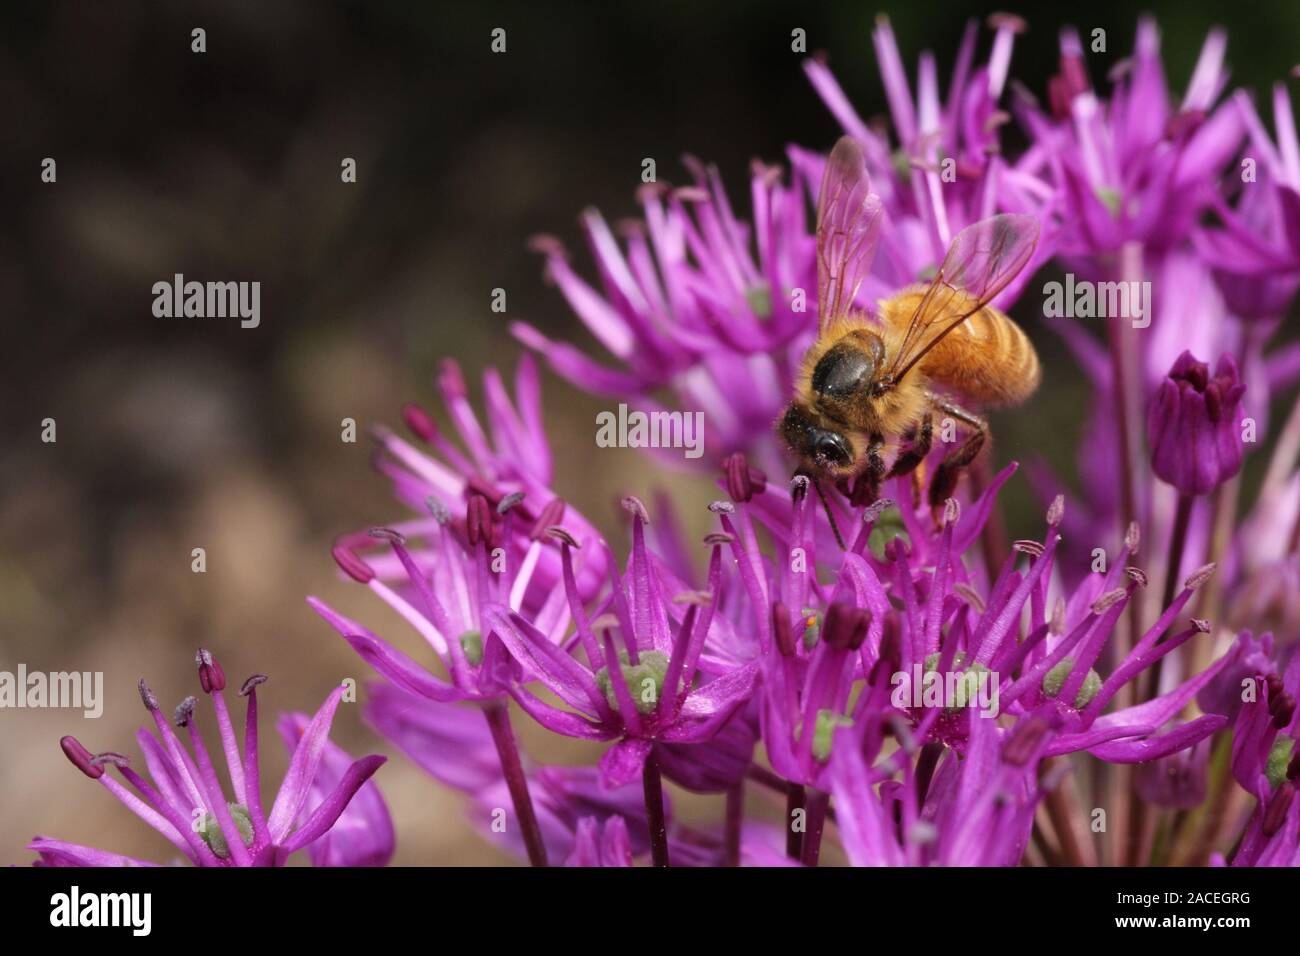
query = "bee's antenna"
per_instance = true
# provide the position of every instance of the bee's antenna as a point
(829, 514)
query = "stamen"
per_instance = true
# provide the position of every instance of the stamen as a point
(111, 757)
(1024, 740)
(1108, 600)
(550, 517)
(387, 534)
(722, 508)
(478, 521)
(146, 695)
(969, 595)
(547, 245)
(81, 757)
(633, 506)
(1056, 511)
(437, 510)
(1133, 538)
(248, 685)
(697, 598)
(1029, 547)
(798, 488)
(871, 514)
(351, 564)
(420, 423)
(1007, 21)
(715, 538)
(211, 676)
(1138, 575)
(1201, 625)
(451, 380)
(743, 482)
(1199, 576)
(951, 511)
(509, 501)
(781, 630)
(561, 535)
(1057, 625)
(184, 712)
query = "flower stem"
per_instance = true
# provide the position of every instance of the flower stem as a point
(818, 802)
(735, 819)
(1177, 544)
(503, 735)
(654, 810)
(794, 803)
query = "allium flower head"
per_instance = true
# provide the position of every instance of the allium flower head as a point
(184, 800)
(639, 691)
(1255, 252)
(1135, 166)
(695, 300)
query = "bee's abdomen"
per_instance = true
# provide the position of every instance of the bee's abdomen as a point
(988, 359)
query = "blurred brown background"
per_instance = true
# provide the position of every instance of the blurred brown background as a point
(181, 433)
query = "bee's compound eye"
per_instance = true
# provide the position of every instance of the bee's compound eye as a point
(832, 448)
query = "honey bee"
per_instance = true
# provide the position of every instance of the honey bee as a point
(867, 389)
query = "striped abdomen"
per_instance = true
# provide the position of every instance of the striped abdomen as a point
(987, 359)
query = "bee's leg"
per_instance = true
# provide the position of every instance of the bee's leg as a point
(909, 461)
(867, 487)
(945, 476)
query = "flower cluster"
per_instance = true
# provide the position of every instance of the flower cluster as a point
(899, 681)
(326, 805)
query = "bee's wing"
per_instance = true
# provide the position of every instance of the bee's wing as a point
(982, 259)
(848, 228)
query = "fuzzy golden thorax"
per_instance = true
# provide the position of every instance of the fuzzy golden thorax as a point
(838, 404)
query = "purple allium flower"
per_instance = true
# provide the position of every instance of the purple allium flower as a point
(695, 301)
(453, 745)
(977, 810)
(947, 170)
(1256, 252)
(363, 834)
(1134, 167)
(185, 802)
(1058, 649)
(641, 693)
(1194, 425)
(1266, 763)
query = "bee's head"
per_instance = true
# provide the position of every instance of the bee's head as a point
(824, 449)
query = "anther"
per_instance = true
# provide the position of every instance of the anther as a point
(1199, 576)
(478, 520)
(211, 676)
(247, 687)
(872, 512)
(419, 422)
(81, 757)
(351, 564)
(146, 695)
(1108, 600)
(633, 506)
(1029, 547)
(552, 514)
